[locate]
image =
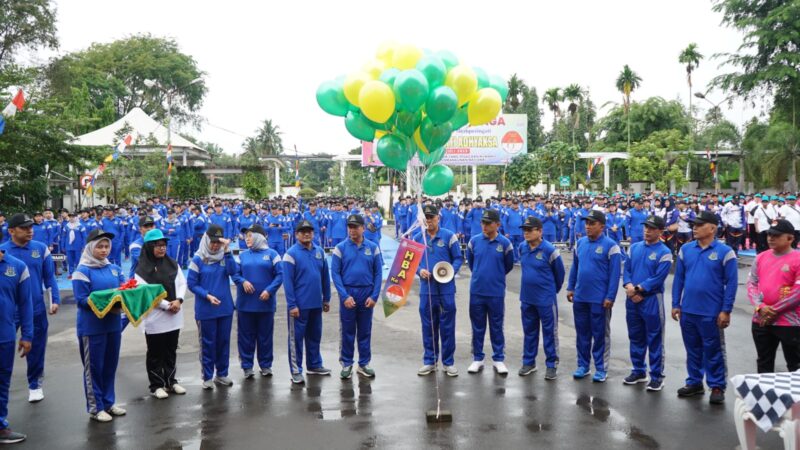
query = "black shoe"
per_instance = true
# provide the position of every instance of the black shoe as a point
(319, 371)
(691, 390)
(635, 377)
(10, 437)
(717, 396)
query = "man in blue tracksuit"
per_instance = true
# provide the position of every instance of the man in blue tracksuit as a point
(437, 305)
(198, 225)
(307, 285)
(356, 269)
(635, 221)
(400, 216)
(317, 219)
(512, 221)
(146, 224)
(592, 288)
(15, 306)
(375, 223)
(542, 278)
(173, 230)
(703, 293)
(222, 219)
(115, 226)
(275, 225)
(490, 257)
(646, 268)
(36, 257)
(244, 222)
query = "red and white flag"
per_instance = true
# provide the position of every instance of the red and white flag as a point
(16, 104)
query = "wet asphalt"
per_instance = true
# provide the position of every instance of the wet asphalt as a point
(489, 411)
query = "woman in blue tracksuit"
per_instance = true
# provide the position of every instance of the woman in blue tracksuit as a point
(257, 281)
(209, 280)
(98, 339)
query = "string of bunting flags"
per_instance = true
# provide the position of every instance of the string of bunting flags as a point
(118, 150)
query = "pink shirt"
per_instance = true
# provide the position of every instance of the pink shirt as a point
(775, 281)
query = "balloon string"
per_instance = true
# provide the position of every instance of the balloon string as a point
(434, 340)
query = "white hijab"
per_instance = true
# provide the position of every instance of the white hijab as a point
(87, 257)
(259, 242)
(205, 253)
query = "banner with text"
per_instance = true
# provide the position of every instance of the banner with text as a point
(401, 276)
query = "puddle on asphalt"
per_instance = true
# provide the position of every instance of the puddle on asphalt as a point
(622, 429)
(538, 427)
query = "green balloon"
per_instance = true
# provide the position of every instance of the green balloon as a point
(441, 105)
(359, 127)
(448, 58)
(408, 122)
(434, 136)
(460, 118)
(438, 180)
(429, 159)
(330, 98)
(385, 126)
(392, 151)
(499, 84)
(434, 70)
(410, 90)
(483, 77)
(388, 76)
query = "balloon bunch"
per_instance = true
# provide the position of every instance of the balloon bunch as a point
(411, 101)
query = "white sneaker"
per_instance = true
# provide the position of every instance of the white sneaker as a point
(160, 393)
(178, 389)
(117, 411)
(451, 371)
(475, 367)
(102, 416)
(426, 370)
(208, 384)
(500, 368)
(35, 395)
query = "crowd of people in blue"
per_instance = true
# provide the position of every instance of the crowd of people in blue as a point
(285, 242)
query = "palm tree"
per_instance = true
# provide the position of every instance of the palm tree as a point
(266, 143)
(691, 57)
(627, 82)
(516, 90)
(574, 95)
(552, 97)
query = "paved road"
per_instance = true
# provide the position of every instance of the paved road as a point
(388, 412)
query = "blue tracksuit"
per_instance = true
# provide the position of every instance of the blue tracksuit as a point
(224, 221)
(473, 221)
(512, 219)
(377, 220)
(256, 317)
(337, 227)
(489, 260)
(594, 278)
(172, 229)
(244, 222)
(635, 223)
(647, 266)
(135, 250)
(449, 219)
(542, 277)
(612, 220)
(437, 306)
(16, 310)
(74, 240)
(36, 257)
(356, 271)
(400, 218)
(213, 322)
(117, 228)
(578, 225)
(307, 285)
(198, 224)
(550, 221)
(41, 233)
(705, 284)
(99, 339)
(275, 227)
(317, 220)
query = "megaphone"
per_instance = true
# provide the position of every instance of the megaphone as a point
(443, 272)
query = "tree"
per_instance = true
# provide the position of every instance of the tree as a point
(552, 97)
(661, 158)
(691, 57)
(574, 95)
(214, 150)
(266, 142)
(640, 121)
(189, 183)
(516, 92)
(530, 105)
(522, 173)
(627, 82)
(27, 24)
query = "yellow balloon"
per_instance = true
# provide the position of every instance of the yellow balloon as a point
(374, 68)
(418, 141)
(386, 51)
(406, 57)
(463, 81)
(353, 84)
(379, 134)
(484, 106)
(376, 100)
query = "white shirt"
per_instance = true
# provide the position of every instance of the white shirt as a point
(732, 215)
(792, 214)
(159, 320)
(749, 207)
(762, 218)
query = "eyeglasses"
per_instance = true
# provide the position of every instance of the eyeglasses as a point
(160, 246)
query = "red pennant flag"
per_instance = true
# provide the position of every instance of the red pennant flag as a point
(19, 100)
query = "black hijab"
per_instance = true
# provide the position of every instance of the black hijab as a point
(157, 270)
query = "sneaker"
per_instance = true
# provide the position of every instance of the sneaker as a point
(475, 367)
(655, 384)
(178, 389)
(580, 373)
(427, 369)
(116, 411)
(346, 373)
(634, 378)
(266, 372)
(599, 377)
(10, 437)
(208, 384)
(551, 373)
(690, 390)
(102, 416)
(319, 371)
(35, 395)
(297, 378)
(500, 368)
(249, 373)
(451, 371)
(160, 393)
(225, 381)
(526, 370)
(717, 396)
(366, 371)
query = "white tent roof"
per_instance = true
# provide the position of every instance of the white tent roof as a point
(141, 124)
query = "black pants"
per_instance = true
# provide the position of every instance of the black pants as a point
(761, 242)
(767, 340)
(161, 355)
(751, 232)
(734, 238)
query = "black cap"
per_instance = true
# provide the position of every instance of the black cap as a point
(490, 215)
(655, 222)
(147, 221)
(705, 217)
(215, 232)
(781, 226)
(531, 222)
(98, 233)
(595, 216)
(256, 228)
(430, 210)
(20, 220)
(355, 219)
(304, 225)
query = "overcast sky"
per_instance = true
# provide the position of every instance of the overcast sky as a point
(266, 59)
